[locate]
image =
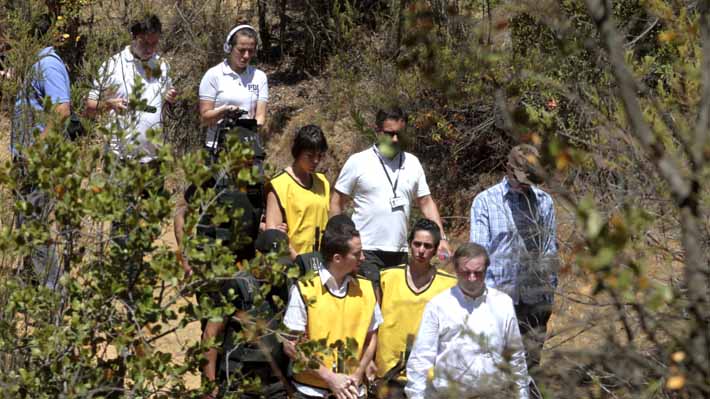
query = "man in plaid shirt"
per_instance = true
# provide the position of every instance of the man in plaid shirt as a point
(515, 221)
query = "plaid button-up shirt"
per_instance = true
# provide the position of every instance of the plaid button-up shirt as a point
(518, 231)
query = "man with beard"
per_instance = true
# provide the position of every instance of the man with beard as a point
(340, 310)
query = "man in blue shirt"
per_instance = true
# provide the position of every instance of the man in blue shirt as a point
(48, 80)
(515, 221)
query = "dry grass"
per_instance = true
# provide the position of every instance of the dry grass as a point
(578, 321)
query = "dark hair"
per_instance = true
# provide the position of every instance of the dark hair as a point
(248, 32)
(470, 250)
(271, 240)
(41, 24)
(429, 226)
(337, 241)
(393, 113)
(336, 222)
(309, 138)
(150, 23)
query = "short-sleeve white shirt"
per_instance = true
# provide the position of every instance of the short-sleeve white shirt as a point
(363, 179)
(118, 75)
(224, 86)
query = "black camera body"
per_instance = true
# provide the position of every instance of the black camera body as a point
(233, 123)
(73, 128)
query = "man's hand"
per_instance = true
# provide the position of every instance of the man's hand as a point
(356, 379)
(342, 386)
(371, 371)
(117, 104)
(444, 248)
(282, 227)
(290, 349)
(223, 109)
(171, 95)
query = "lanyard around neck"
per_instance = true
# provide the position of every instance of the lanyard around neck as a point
(389, 179)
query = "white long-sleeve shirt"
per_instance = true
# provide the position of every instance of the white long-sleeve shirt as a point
(466, 340)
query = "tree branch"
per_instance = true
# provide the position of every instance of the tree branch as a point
(668, 166)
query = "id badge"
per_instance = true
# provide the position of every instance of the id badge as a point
(397, 202)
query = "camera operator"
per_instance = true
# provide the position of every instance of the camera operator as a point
(233, 84)
(231, 196)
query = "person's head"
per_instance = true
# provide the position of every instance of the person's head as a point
(308, 148)
(43, 30)
(336, 223)
(342, 249)
(41, 25)
(145, 34)
(424, 240)
(240, 46)
(271, 242)
(524, 168)
(471, 261)
(391, 122)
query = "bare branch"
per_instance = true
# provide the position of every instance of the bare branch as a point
(668, 166)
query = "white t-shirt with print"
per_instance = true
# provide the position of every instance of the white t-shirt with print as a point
(117, 78)
(364, 180)
(223, 85)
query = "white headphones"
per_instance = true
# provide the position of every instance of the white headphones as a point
(228, 47)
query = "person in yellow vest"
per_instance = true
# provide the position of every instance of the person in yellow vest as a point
(300, 197)
(406, 289)
(342, 310)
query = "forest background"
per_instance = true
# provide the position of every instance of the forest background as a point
(616, 95)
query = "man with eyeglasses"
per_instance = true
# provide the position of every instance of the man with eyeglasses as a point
(468, 344)
(383, 181)
(406, 289)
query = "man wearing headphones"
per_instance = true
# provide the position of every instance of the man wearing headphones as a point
(115, 91)
(131, 88)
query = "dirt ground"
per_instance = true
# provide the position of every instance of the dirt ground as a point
(293, 105)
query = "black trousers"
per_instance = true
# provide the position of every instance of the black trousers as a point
(375, 261)
(532, 321)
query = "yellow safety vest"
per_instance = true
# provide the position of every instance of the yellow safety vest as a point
(336, 319)
(402, 311)
(304, 208)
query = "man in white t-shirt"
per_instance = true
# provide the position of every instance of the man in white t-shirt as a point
(383, 182)
(134, 114)
(115, 86)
